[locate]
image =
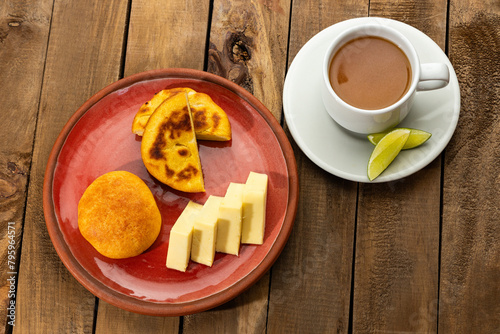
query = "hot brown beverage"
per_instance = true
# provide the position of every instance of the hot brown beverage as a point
(370, 73)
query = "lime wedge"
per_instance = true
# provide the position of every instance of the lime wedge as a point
(417, 138)
(374, 138)
(386, 151)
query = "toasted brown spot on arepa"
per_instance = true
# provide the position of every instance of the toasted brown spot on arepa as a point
(145, 111)
(169, 149)
(210, 121)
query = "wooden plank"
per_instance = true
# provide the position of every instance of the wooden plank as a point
(310, 17)
(311, 281)
(470, 260)
(397, 240)
(397, 254)
(161, 34)
(50, 300)
(24, 28)
(111, 319)
(244, 314)
(416, 13)
(247, 46)
(165, 34)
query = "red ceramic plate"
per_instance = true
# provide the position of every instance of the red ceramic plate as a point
(98, 139)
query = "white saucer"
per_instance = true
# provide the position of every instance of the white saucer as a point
(343, 153)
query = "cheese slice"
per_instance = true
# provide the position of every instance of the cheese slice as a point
(181, 234)
(229, 223)
(254, 209)
(205, 232)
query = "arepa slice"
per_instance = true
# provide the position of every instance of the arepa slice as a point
(169, 149)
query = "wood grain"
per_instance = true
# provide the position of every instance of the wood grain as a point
(246, 313)
(397, 240)
(49, 298)
(470, 264)
(248, 41)
(157, 38)
(310, 17)
(361, 258)
(427, 16)
(111, 319)
(248, 47)
(311, 281)
(24, 29)
(166, 34)
(397, 254)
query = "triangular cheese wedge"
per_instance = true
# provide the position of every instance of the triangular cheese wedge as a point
(169, 149)
(210, 121)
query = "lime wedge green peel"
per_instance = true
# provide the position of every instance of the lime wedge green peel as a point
(417, 138)
(386, 151)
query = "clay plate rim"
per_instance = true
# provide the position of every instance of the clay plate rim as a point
(169, 309)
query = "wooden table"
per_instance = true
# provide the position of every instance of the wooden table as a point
(418, 255)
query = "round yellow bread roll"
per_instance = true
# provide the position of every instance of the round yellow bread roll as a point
(118, 215)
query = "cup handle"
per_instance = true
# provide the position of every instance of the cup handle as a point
(433, 76)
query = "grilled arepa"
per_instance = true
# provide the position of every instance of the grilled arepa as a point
(169, 149)
(210, 121)
(118, 215)
(145, 111)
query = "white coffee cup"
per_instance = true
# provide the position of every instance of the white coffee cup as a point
(427, 76)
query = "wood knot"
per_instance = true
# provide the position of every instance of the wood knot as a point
(231, 63)
(14, 168)
(238, 46)
(240, 52)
